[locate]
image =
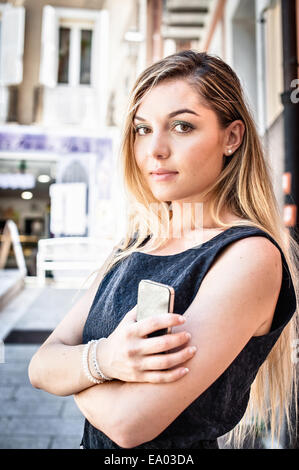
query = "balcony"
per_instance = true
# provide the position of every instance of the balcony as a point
(186, 20)
(196, 6)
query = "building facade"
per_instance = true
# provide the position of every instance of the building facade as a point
(58, 131)
(66, 70)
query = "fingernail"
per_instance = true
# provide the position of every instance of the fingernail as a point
(185, 371)
(182, 319)
(188, 335)
(192, 349)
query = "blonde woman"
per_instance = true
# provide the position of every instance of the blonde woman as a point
(189, 142)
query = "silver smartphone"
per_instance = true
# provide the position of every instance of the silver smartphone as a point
(154, 298)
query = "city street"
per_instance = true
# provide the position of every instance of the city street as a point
(31, 418)
(78, 175)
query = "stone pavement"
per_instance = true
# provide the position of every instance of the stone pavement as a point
(31, 418)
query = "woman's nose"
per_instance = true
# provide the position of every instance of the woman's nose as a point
(158, 147)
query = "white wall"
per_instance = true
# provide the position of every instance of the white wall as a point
(244, 51)
(216, 42)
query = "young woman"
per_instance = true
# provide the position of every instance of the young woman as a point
(189, 143)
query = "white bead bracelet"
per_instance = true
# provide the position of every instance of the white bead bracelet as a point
(100, 374)
(85, 363)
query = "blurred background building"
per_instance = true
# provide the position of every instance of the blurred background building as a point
(66, 69)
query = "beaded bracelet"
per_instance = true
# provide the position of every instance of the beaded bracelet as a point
(85, 363)
(95, 362)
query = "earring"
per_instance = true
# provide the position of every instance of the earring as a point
(229, 151)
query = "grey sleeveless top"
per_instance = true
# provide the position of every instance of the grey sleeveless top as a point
(219, 409)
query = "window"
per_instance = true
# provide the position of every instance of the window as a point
(64, 55)
(12, 21)
(0, 40)
(74, 55)
(86, 40)
(74, 62)
(73, 47)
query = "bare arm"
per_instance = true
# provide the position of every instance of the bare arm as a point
(237, 296)
(57, 365)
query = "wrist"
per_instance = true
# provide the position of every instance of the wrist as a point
(90, 365)
(102, 357)
(86, 363)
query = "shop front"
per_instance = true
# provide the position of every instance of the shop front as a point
(53, 185)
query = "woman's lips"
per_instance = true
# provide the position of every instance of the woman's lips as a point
(163, 176)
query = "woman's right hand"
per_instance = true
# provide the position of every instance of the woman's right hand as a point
(128, 355)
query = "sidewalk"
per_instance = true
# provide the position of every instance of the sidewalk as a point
(31, 418)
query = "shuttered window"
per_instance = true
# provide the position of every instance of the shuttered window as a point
(12, 24)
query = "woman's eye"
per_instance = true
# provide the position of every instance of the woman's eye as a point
(183, 125)
(185, 129)
(141, 128)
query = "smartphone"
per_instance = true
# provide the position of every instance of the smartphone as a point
(154, 298)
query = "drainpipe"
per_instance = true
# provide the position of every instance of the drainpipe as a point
(290, 101)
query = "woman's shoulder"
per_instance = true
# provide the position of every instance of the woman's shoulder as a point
(257, 251)
(258, 242)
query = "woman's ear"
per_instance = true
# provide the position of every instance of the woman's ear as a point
(233, 136)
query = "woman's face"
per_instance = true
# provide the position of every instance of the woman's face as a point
(175, 132)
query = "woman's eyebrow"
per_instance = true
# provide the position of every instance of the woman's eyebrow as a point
(174, 113)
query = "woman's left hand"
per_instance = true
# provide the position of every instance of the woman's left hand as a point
(129, 355)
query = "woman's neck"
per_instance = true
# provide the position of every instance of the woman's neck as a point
(190, 217)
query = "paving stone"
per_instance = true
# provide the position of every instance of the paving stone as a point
(66, 442)
(7, 392)
(16, 368)
(24, 442)
(70, 409)
(24, 392)
(31, 418)
(27, 408)
(35, 425)
(18, 353)
(16, 309)
(48, 309)
(4, 424)
(13, 374)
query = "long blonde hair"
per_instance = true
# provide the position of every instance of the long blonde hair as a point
(244, 187)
